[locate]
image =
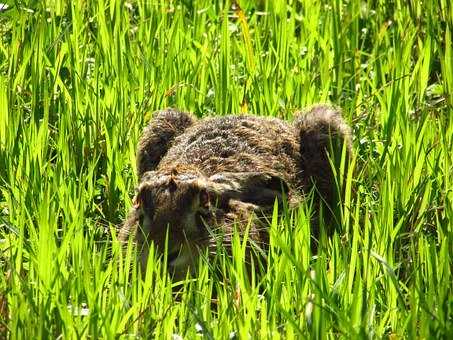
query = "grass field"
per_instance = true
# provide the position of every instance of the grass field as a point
(78, 81)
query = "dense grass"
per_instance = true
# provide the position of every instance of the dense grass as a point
(78, 80)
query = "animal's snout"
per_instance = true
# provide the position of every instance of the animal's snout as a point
(173, 256)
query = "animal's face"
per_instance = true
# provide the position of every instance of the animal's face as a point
(183, 209)
(172, 207)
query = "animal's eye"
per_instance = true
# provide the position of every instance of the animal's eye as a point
(145, 201)
(204, 198)
(136, 202)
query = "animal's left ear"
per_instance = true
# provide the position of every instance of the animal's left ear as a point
(252, 187)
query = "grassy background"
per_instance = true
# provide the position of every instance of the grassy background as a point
(78, 81)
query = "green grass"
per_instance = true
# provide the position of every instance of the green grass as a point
(78, 81)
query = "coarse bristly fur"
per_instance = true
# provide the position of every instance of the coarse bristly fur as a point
(200, 178)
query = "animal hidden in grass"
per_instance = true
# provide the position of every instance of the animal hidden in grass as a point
(202, 179)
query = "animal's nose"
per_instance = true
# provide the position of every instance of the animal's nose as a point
(172, 186)
(172, 256)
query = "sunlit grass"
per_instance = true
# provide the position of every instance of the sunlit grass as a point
(78, 81)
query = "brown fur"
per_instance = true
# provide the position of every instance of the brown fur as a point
(198, 177)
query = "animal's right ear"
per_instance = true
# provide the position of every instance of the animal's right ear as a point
(158, 137)
(251, 187)
(147, 176)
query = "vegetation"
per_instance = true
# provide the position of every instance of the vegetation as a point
(78, 81)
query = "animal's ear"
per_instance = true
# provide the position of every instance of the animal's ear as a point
(158, 136)
(148, 176)
(252, 187)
